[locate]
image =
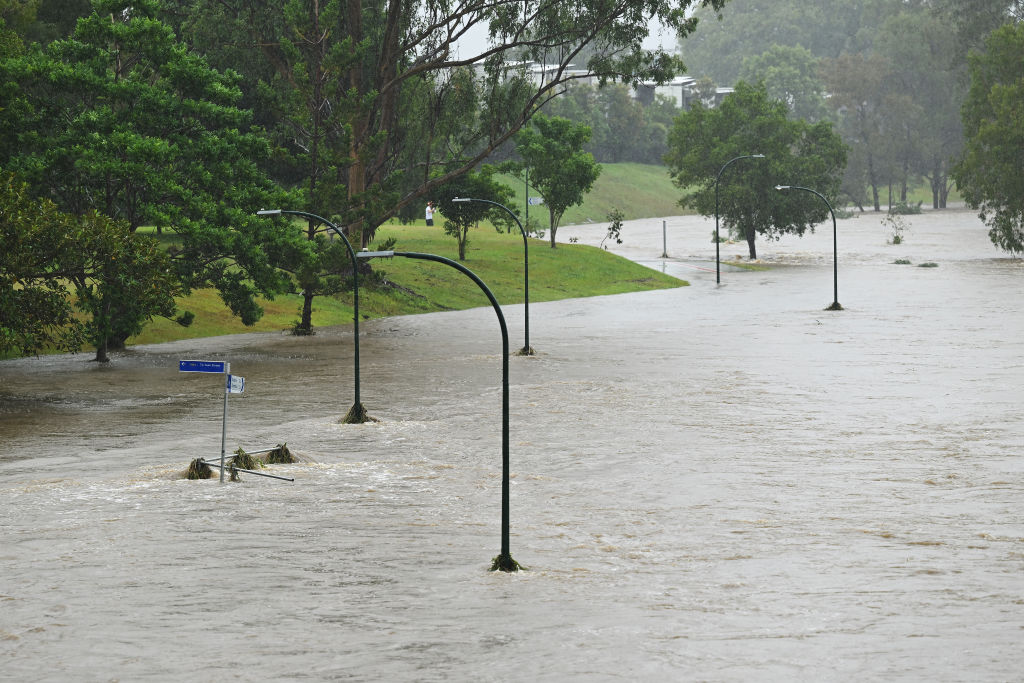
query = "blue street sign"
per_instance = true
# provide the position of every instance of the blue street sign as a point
(202, 366)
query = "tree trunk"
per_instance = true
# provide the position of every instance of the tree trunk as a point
(305, 326)
(751, 235)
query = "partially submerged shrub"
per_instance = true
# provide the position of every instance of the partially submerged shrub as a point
(897, 225)
(280, 455)
(904, 209)
(197, 469)
(246, 461)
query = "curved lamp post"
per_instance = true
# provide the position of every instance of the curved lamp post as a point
(504, 561)
(527, 350)
(718, 275)
(835, 249)
(357, 414)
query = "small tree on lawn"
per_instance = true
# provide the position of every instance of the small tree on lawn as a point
(552, 149)
(459, 217)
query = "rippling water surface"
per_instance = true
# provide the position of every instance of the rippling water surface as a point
(713, 482)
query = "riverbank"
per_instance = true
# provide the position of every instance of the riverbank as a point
(405, 287)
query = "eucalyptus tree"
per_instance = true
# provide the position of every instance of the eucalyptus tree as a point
(926, 82)
(864, 107)
(791, 74)
(748, 121)
(354, 65)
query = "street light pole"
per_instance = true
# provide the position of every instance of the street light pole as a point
(527, 350)
(835, 306)
(357, 414)
(718, 276)
(503, 562)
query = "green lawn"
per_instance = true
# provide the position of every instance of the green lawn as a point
(571, 270)
(638, 190)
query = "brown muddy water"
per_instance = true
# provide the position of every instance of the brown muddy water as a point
(722, 483)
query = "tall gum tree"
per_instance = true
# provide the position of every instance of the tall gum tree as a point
(386, 51)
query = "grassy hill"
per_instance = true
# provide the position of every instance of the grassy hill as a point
(638, 190)
(407, 286)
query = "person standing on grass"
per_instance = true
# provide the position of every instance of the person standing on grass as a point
(430, 213)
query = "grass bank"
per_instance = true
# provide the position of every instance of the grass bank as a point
(638, 190)
(571, 270)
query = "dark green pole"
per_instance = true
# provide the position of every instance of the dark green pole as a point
(527, 350)
(504, 561)
(357, 414)
(835, 305)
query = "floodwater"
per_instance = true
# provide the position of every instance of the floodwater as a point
(716, 482)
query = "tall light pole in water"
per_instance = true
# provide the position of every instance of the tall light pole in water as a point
(527, 350)
(835, 248)
(503, 562)
(357, 414)
(718, 275)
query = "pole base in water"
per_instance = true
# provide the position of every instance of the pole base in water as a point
(505, 563)
(835, 306)
(357, 415)
(526, 351)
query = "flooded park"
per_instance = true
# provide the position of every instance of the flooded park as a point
(719, 482)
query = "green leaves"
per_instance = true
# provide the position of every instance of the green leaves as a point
(552, 151)
(120, 279)
(703, 142)
(989, 174)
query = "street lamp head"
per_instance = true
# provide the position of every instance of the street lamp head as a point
(269, 212)
(757, 156)
(782, 187)
(462, 199)
(367, 254)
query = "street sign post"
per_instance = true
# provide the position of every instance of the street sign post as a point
(215, 366)
(232, 385)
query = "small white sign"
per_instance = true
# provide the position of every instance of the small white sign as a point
(534, 201)
(236, 385)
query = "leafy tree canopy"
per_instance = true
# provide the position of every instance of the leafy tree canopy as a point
(124, 120)
(382, 75)
(551, 150)
(703, 141)
(790, 74)
(459, 217)
(46, 256)
(990, 174)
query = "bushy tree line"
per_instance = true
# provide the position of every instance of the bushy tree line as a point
(189, 115)
(622, 128)
(891, 74)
